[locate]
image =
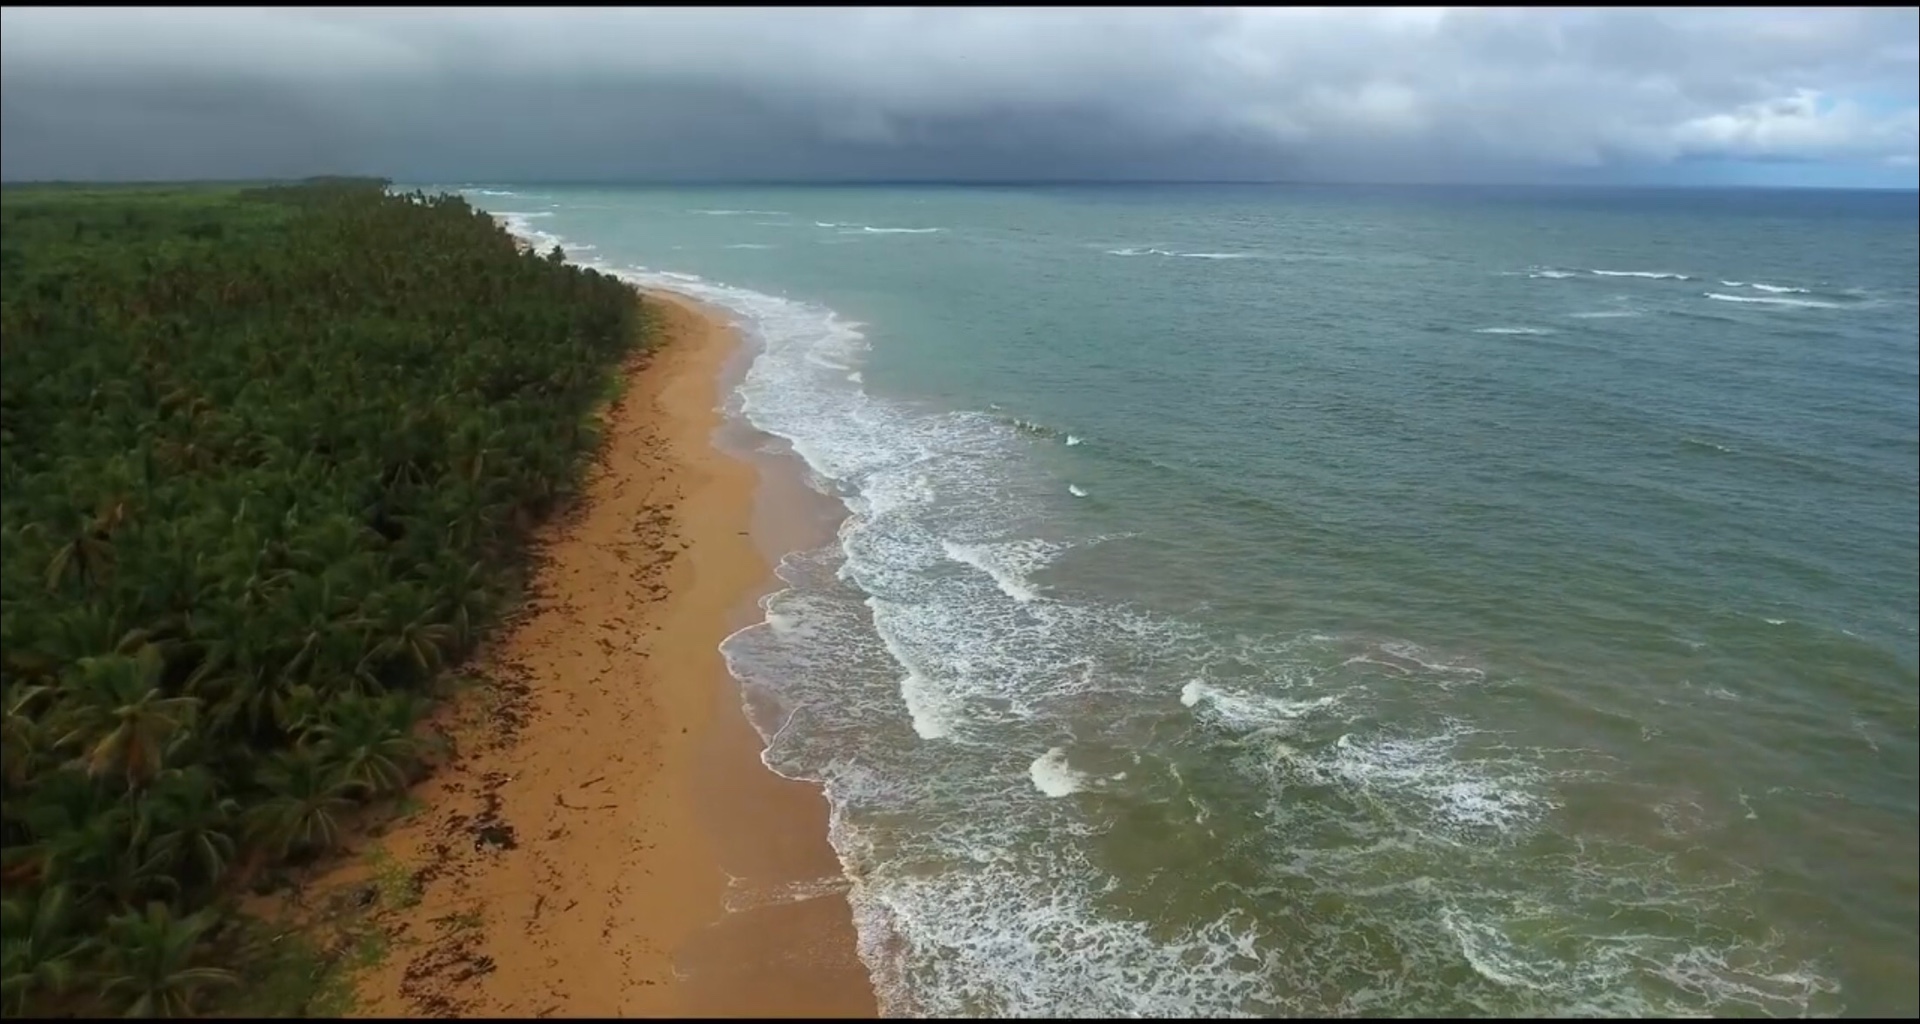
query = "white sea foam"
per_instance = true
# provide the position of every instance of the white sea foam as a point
(864, 229)
(1076, 490)
(741, 213)
(1008, 564)
(1605, 314)
(857, 377)
(1652, 275)
(1769, 300)
(1261, 713)
(751, 245)
(1415, 654)
(934, 712)
(1053, 777)
(1775, 289)
(1551, 275)
(1072, 440)
(1186, 255)
(1512, 330)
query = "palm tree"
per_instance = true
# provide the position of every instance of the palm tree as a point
(40, 947)
(416, 632)
(122, 717)
(149, 967)
(307, 798)
(88, 549)
(21, 735)
(191, 824)
(83, 837)
(371, 740)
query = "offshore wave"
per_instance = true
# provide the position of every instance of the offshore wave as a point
(1564, 273)
(1775, 300)
(868, 229)
(1651, 275)
(1187, 255)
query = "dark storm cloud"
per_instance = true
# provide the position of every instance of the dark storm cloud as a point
(950, 93)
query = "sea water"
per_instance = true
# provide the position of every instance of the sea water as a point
(1315, 600)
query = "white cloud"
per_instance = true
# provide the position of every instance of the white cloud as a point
(1804, 125)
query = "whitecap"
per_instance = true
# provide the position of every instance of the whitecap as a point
(1513, 330)
(1076, 490)
(1006, 564)
(1773, 301)
(1651, 275)
(933, 712)
(1053, 777)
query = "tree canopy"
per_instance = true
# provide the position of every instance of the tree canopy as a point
(268, 462)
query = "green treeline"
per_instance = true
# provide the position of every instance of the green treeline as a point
(268, 459)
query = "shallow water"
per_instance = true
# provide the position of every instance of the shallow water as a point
(1337, 601)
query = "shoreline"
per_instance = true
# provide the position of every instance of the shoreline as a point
(607, 840)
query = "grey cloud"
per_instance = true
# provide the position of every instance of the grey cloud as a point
(954, 93)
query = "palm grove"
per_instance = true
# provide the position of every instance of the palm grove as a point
(268, 461)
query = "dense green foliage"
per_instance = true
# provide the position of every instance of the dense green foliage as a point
(268, 458)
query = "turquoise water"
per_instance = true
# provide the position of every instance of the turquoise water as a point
(1337, 601)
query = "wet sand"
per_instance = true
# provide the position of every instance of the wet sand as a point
(607, 841)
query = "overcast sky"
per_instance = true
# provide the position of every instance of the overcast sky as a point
(1747, 96)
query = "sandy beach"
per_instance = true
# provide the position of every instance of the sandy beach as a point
(606, 841)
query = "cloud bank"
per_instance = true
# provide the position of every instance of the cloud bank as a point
(1379, 94)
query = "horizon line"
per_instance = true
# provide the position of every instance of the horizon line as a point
(972, 183)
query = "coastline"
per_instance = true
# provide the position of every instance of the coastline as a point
(607, 841)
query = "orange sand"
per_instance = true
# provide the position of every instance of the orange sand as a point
(607, 842)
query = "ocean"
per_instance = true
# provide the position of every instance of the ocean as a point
(1330, 600)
